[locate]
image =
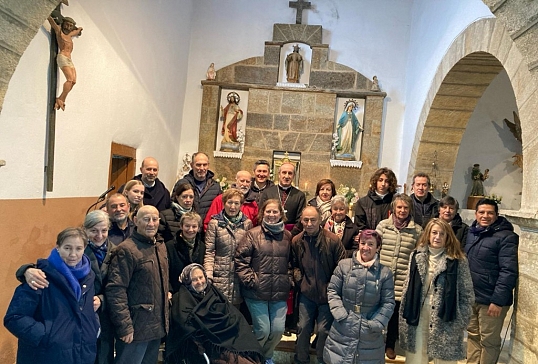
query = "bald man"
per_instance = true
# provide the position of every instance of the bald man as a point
(137, 291)
(155, 192)
(243, 181)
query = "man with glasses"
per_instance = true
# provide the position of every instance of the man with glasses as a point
(137, 291)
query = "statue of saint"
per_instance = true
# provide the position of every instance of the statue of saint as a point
(65, 44)
(231, 115)
(348, 129)
(478, 179)
(294, 65)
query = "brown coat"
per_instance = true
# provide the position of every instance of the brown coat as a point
(137, 288)
(262, 263)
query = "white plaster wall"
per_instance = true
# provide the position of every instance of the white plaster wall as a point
(486, 123)
(370, 37)
(130, 90)
(435, 25)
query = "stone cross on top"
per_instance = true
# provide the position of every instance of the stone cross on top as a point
(300, 5)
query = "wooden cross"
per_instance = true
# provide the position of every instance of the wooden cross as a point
(300, 5)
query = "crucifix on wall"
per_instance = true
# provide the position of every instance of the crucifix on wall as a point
(300, 5)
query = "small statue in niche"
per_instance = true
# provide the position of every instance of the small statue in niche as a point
(211, 74)
(230, 115)
(186, 162)
(294, 65)
(348, 130)
(64, 30)
(375, 85)
(478, 179)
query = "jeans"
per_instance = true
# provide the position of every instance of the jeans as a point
(268, 321)
(143, 352)
(309, 312)
(484, 335)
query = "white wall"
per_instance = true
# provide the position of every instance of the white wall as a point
(370, 37)
(486, 124)
(131, 63)
(435, 25)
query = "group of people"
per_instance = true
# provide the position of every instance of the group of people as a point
(180, 268)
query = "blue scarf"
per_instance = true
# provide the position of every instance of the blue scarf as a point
(71, 274)
(99, 251)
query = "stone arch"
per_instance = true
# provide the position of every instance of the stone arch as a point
(475, 57)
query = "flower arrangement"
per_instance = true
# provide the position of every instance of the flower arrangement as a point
(223, 182)
(496, 198)
(350, 193)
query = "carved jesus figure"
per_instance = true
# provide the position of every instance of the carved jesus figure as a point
(65, 44)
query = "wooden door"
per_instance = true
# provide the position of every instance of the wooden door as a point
(122, 165)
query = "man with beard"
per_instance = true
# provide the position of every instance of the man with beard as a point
(121, 226)
(243, 180)
(155, 192)
(201, 179)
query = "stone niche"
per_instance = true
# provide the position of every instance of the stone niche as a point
(294, 119)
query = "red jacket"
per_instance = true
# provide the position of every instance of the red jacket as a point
(249, 209)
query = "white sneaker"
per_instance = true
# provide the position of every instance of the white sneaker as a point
(269, 361)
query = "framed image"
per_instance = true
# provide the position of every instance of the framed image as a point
(348, 129)
(232, 121)
(280, 157)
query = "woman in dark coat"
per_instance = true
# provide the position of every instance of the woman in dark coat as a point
(437, 298)
(188, 247)
(57, 324)
(361, 298)
(262, 265)
(205, 327)
(325, 190)
(182, 202)
(340, 224)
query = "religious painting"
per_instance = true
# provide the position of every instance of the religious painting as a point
(232, 123)
(348, 129)
(295, 63)
(280, 157)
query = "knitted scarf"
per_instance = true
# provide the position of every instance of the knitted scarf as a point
(399, 223)
(71, 274)
(335, 227)
(179, 210)
(324, 207)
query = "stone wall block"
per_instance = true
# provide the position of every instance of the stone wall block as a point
(254, 139)
(271, 55)
(325, 104)
(309, 104)
(292, 102)
(504, 47)
(322, 143)
(258, 101)
(526, 294)
(347, 176)
(289, 140)
(332, 80)
(361, 82)
(272, 140)
(526, 115)
(298, 123)
(275, 102)
(281, 122)
(522, 87)
(312, 175)
(320, 58)
(304, 142)
(259, 121)
(320, 125)
(442, 135)
(310, 34)
(314, 157)
(226, 74)
(264, 75)
(210, 95)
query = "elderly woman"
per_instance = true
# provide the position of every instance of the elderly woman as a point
(187, 247)
(262, 264)
(57, 324)
(437, 298)
(400, 235)
(225, 230)
(96, 225)
(340, 224)
(361, 298)
(375, 206)
(325, 190)
(134, 191)
(182, 202)
(205, 327)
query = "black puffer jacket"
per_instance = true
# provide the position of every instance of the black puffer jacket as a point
(169, 224)
(202, 200)
(371, 209)
(262, 262)
(137, 288)
(492, 255)
(424, 211)
(460, 229)
(179, 257)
